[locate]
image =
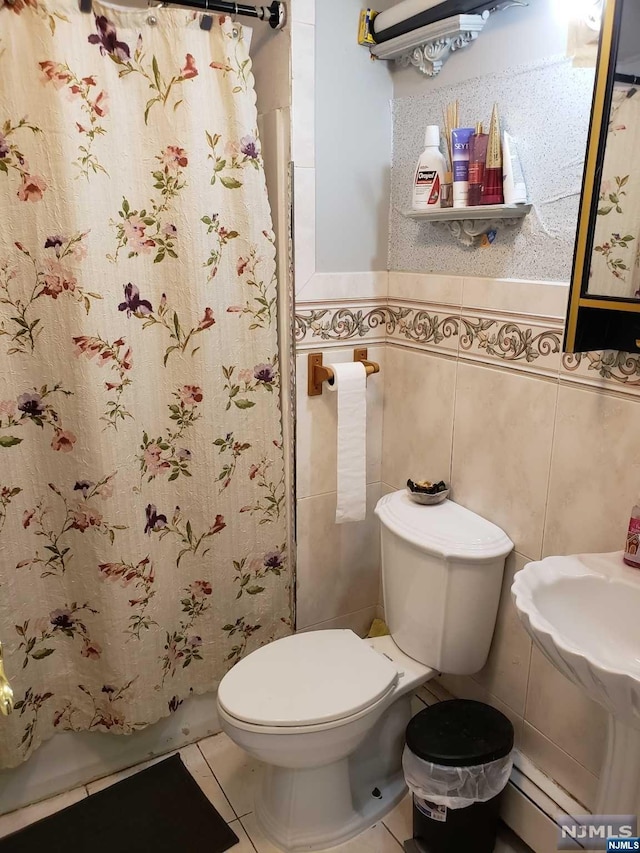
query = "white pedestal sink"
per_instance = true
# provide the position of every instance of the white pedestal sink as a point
(583, 613)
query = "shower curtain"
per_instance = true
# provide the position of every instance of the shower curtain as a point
(142, 500)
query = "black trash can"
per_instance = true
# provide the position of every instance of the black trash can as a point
(448, 736)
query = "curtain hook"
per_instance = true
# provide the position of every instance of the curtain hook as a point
(236, 31)
(206, 21)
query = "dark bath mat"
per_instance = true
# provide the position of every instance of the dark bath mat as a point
(159, 810)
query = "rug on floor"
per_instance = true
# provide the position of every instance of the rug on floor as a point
(160, 809)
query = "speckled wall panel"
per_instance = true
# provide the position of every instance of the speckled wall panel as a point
(546, 107)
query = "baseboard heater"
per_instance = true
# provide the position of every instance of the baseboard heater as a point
(411, 15)
(532, 804)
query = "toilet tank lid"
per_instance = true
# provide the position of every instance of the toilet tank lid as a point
(445, 530)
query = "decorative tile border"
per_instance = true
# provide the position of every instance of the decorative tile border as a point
(431, 328)
(528, 344)
(607, 371)
(434, 328)
(509, 341)
(336, 325)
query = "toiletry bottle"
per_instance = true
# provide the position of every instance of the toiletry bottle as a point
(430, 172)
(446, 195)
(477, 161)
(632, 548)
(515, 189)
(460, 137)
(493, 191)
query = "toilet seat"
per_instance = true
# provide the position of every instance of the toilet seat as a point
(314, 679)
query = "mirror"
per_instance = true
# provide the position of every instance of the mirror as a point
(604, 306)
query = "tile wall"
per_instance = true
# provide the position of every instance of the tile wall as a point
(477, 392)
(338, 575)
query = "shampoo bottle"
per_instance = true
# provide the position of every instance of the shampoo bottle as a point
(430, 172)
(632, 548)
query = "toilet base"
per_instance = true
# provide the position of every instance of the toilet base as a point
(305, 809)
(298, 816)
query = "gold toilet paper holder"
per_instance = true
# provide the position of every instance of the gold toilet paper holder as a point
(318, 373)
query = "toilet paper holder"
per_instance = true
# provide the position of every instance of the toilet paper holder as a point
(318, 373)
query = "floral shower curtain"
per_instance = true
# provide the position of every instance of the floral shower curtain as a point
(142, 501)
(615, 264)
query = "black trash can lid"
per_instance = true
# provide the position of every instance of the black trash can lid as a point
(460, 733)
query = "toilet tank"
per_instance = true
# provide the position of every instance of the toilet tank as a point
(442, 569)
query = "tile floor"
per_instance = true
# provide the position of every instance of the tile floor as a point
(227, 777)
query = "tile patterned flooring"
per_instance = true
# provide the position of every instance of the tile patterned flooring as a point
(227, 776)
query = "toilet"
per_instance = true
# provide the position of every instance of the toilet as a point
(325, 711)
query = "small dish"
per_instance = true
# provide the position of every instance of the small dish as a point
(428, 500)
(427, 493)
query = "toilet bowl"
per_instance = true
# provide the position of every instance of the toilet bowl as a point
(325, 712)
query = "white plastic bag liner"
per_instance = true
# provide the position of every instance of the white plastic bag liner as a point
(455, 787)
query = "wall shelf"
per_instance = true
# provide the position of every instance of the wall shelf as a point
(469, 224)
(428, 48)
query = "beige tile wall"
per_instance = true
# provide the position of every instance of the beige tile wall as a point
(555, 465)
(543, 446)
(338, 566)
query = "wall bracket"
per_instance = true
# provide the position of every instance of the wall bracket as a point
(470, 232)
(469, 225)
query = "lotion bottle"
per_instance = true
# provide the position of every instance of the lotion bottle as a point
(430, 172)
(515, 190)
(632, 548)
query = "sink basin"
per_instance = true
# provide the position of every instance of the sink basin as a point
(583, 613)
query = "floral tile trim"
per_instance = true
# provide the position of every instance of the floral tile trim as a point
(620, 368)
(482, 338)
(506, 341)
(342, 324)
(423, 327)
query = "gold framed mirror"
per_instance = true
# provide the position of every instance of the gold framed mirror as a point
(604, 301)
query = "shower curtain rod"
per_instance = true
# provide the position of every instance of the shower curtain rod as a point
(275, 14)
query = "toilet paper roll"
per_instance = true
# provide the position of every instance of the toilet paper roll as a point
(350, 384)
